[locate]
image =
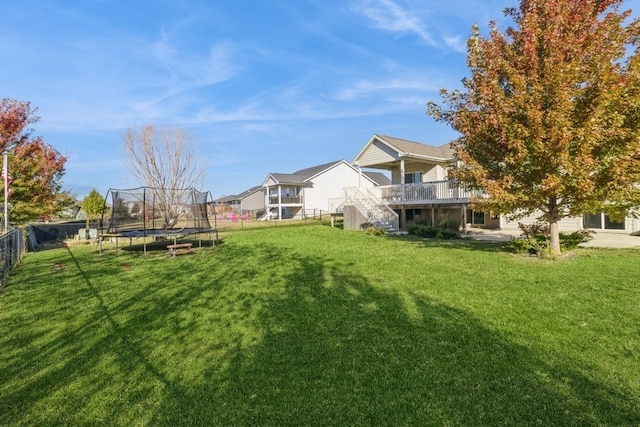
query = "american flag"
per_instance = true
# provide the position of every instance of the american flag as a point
(8, 180)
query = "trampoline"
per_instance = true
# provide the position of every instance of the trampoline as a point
(156, 213)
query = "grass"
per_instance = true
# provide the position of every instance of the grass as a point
(313, 325)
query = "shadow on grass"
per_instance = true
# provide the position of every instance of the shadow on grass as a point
(334, 349)
(60, 375)
(269, 336)
(458, 243)
(158, 246)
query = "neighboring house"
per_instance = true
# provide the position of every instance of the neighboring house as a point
(313, 191)
(250, 201)
(420, 191)
(378, 178)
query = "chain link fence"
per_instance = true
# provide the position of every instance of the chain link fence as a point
(12, 247)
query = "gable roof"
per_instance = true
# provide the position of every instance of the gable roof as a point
(250, 191)
(232, 197)
(443, 152)
(304, 176)
(383, 149)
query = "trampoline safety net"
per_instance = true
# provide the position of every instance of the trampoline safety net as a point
(147, 209)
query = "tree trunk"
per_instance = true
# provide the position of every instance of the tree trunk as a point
(554, 227)
(554, 236)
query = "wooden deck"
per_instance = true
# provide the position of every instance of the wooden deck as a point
(435, 192)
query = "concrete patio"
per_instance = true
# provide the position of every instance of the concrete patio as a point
(600, 239)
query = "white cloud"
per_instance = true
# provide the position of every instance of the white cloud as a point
(412, 101)
(391, 16)
(192, 70)
(457, 43)
(365, 88)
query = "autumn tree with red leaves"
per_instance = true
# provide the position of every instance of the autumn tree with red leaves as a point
(550, 115)
(35, 167)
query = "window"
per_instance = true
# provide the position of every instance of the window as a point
(475, 217)
(612, 225)
(592, 221)
(413, 178)
(478, 218)
(601, 221)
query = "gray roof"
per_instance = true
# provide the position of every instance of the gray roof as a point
(444, 152)
(250, 191)
(289, 178)
(226, 199)
(378, 177)
(302, 175)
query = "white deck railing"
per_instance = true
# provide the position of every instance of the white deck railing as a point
(284, 200)
(434, 192)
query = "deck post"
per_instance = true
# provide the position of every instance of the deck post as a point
(464, 219)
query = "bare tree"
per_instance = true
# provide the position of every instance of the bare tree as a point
(167, 161)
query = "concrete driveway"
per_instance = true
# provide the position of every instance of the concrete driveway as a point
(600, 239)
(612, 240)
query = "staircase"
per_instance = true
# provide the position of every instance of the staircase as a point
(375, 212)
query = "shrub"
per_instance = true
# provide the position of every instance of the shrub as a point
(376, 231)
(422, 230)
(450, 225)
(426, 231)
(529, 245)
(448, 234)
(538, 228)
(538, 244)
(570, 241)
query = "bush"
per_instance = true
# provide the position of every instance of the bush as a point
(533, 245)
(538, 244)
(422, 230)
(570, 241)
(449, 225)
(448, 234)
(376, 231)
(426, 231)
(536, 229)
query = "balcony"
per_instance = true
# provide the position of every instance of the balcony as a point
(434, 192)
(296, 200)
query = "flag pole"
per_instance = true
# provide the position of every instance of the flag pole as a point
(5, 174)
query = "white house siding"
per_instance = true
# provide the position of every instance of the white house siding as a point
(377, 153)
(429, 173)
(395, 176)
(330, 185)
(435, 173)
(270, 182)
(632, 225)
(565, 224)
(569, 224)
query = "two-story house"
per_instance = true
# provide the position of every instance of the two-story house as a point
(313, 190)
(420, 191)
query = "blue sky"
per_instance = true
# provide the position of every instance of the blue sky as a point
(262, 85)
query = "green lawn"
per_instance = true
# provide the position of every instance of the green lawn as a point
(313, 325)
